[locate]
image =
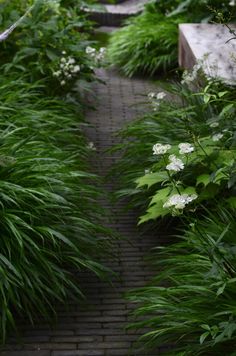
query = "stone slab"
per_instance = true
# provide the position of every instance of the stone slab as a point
(115, 14)
(208, 42)
(128, 7)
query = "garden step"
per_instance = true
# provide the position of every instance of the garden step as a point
(211, 43)
(115, 14)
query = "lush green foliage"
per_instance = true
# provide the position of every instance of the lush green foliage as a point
(148, 42)
(191, 302)
(49, 215)
(52, 32)
(205, 120)
(179, 159)
(51, 222)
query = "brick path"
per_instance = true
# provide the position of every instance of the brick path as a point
(98, 327)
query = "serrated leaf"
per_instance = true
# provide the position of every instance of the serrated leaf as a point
(151, 179)
(219, 176)
(189, 190)
(204, 179)
(154, 212)
(160, 196)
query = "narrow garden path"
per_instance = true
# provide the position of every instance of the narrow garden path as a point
(98, 328)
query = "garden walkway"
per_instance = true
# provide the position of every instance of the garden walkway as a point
(98, 327)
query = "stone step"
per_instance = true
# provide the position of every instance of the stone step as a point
(115, 14)
(212, 44)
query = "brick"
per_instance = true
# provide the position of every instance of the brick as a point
(77, 339)
(107, 345)
(51, 346)
(120, 352)
(79, 353)
(108, 331)
(118, 338)
(115, 312)
(26, 353)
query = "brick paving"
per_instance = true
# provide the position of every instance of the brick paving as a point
(97, 328)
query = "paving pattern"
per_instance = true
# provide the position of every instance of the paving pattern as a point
(98, 327)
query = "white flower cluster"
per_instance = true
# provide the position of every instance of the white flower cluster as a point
(189, 76)
(179, 201)
(91, 146)
(232, 3)
(217, 137)
(185, 148)
(176, 164)
(96, 55)
(54, 5)
(155, 99)
(68, 69)
(214, 124)
(159, 149)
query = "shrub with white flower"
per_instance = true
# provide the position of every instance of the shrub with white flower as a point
(185, 148)
(176, 164)
(96, 55)
(179, 201)
(159, 149)
(155, 99)
(68, 69)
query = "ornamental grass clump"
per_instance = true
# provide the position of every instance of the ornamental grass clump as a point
(148, 43)
(50, 220)
(190, 304)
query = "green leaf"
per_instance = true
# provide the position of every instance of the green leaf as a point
(221, 289)
(232, 202)
(206, 98)
(151, 179)
(160, 196)
(204, 336)
(226, 109)
(204, 179)
(188, 190)
(218, 176)
(51, 55)
(154, 212)
(206, 327)
(222, 93)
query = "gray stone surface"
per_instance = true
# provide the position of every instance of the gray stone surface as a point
(97, 328)
(210, 43)
(130, 7)
(115, 14)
